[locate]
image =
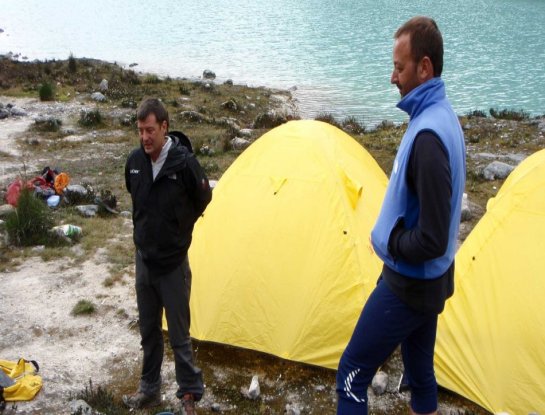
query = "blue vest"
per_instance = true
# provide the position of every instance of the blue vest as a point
(429, 110)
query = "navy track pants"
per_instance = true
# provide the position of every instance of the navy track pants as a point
(385, 323)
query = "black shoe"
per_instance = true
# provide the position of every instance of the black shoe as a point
(141, 400)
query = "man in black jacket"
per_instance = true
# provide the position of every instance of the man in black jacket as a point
(169, 192)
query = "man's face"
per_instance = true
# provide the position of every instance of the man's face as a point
(152, 135)
(405, 73)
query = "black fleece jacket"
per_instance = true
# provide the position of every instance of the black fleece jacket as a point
(166, 209)
(428, 175)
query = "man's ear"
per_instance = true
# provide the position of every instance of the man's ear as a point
(425, 71)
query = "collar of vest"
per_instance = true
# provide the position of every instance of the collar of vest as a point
(423, 96)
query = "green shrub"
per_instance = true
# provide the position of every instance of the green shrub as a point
(507, 114)
(128, 103)
(328, 118)
(476, 114)
(72, 66)
(152, 79)
(90, 118)
(184, 90)
(83, 307)
(49, 124)
(46, 92)
(352, 125)
(29, 224)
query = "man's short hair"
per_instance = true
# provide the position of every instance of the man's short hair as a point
(426, 40)
(152, 106)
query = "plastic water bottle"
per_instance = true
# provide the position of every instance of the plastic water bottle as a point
(68, 230)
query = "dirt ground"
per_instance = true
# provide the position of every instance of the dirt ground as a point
(37, 297)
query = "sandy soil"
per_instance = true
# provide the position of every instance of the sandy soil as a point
(37, 298)
(35, 314)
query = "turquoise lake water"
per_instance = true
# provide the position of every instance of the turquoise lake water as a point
(337, 54)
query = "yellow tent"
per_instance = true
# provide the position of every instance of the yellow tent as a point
(491, 337)
(281, 259)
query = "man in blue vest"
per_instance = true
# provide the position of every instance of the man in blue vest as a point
(416, 232)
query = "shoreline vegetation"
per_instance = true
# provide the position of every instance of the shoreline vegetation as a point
(80, 116)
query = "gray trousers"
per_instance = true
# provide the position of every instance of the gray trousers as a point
(169, 290)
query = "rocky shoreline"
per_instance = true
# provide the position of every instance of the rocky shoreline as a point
(222, 119)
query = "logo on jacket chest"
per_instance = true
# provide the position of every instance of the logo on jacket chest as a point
(134, 171)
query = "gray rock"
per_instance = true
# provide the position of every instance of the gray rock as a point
(246, 132)
(125, 214)
(194, 116)
(497, 170)
(229, 122)
(380, 383)
(239, 143)
(5, 210)
(80, 407)
(292, 409)
(216, 407)
(17, 112)
(87, 211)
(97, 96)
(466, 210)
(103, 86)
(230, 105)
(254, 390)
(269, 119)
(3, 113)
(206, 150)
(48, 123)
(208, 74)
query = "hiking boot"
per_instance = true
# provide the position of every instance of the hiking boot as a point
(188, 405)
(141, 400)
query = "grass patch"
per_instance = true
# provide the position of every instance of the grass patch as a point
(476, 114)
(328, 118)
(46, 92)
(121, 258)
(353, 126)
(509, 114)
(83, 307)
(30, 223)
(90, 118)
(47, 125)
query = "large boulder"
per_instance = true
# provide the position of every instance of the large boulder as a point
(497, 170)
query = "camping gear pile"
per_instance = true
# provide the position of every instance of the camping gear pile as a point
(48, 186)
(54, 188)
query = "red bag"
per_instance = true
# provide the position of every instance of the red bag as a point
(14, 191)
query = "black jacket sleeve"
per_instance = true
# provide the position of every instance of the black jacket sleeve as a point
(428, 175)
(127, 181)
(197, 185)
